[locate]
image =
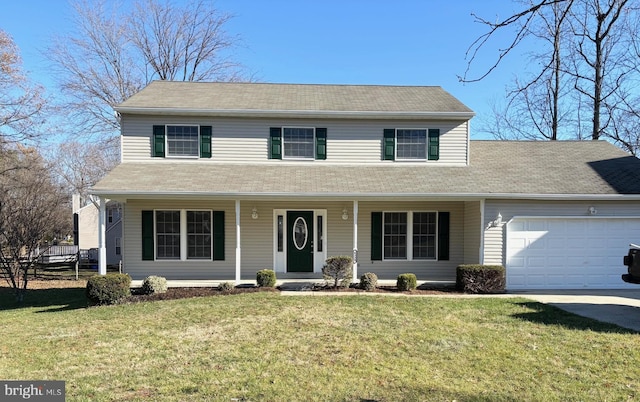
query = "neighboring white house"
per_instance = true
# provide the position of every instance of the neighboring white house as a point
(220, 180)
(87, 228)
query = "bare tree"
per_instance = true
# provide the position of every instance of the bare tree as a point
(33, 209)
(21, 103)
(81, 164)
(184, 43)
(598, 31)
(116, 52)
(594, 37)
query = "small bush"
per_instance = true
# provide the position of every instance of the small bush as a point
(368, 281)
(407, 282)
(339, 270)
(266, 278)
(154, 284)
(108, 289)
(226, 286)
(480, 278)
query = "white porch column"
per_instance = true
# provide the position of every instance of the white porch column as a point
(102, 234)
(355, 240)
(238, 249)
(482, 229)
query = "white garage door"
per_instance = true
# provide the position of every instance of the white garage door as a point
(569, 253)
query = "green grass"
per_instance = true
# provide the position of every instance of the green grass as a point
(263, 346)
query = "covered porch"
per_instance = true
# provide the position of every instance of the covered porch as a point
(295, 234)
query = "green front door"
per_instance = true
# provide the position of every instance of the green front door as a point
(299, 241)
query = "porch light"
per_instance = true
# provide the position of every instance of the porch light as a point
(592, 210)
(498, 220)
(254, 213)
(345, 214)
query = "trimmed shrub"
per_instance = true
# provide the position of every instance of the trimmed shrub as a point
(154, 284)
(266, 278)
(339, 270)
(226, 287)
(368, 281)
(108, 289)
(475, 278)
(407, 282)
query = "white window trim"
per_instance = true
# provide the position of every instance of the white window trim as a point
(426, 145)
(410, 236)
(183, 236)
(166, 142)
(298, 158)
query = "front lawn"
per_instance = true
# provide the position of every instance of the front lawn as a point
(262, 346)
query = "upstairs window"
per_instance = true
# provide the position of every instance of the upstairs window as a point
(187, 141)
(412, 144)
(298, 143)
(183, 141)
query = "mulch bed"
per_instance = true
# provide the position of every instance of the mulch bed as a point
(183, 293)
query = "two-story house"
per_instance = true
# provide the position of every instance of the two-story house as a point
(220, 180)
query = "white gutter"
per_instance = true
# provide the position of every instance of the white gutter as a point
(355, 114)
(343, 195)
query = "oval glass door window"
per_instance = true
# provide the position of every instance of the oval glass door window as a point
(300, 233)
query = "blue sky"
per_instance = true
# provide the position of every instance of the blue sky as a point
(401, 42)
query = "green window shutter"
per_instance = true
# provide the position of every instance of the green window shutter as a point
(321, 143)
(376, 236)
(389, 144)
(443, 236)
(205, 141)
(158, 141)
(275, 143)
(147, 236)
(434, 144)
(218, 235)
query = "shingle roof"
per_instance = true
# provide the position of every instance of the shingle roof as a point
(497, 168)
(251, 97)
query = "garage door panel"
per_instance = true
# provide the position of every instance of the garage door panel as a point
(535, 280)
(556, 280)
(574, 279)
(569, 253)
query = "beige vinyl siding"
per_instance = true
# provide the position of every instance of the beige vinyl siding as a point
(495, 236)
(195, 269)
(472, 231)
(423, 269)
(257, 236)
(494, 246)
(257, 239)
(88, 227)
(348, 141)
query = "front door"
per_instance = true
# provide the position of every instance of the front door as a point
(300, 241)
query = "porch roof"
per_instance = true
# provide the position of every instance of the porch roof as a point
(498, 169)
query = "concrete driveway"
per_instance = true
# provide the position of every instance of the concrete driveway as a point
(620, 307)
